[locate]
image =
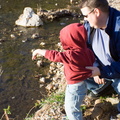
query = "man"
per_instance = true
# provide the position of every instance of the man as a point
(102, 24)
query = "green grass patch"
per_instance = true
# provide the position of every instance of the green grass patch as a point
(55, 97)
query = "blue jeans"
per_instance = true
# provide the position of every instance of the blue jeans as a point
(74, 96)
(96, 88)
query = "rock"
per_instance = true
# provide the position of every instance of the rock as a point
(53, 14)
(25, 40)
(49, 87)
(42, 43)
(100, 112)
(113, 101)
(118, 116)
(35, 36)
(29, 18)
(74, 2)
(42, 80)
(12, 36)
(40, 63)
(62, 24)
(40, 113)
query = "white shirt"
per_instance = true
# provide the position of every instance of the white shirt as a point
(100, 45)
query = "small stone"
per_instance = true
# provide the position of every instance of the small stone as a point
(56, 4)
(42, 43)
(12, 36)
(38, 75)
(62, 24)
(25, 40)
(32, 50)
(39, 63)
(118, 116)
(41, 85)
(42, 80)
(56, 86)
(35, 36)
(13, 97)
(49, 87)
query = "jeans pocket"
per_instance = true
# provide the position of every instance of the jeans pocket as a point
(77, 89)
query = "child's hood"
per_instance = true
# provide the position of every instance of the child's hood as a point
(73, 36)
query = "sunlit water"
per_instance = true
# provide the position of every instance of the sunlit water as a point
(19, 89)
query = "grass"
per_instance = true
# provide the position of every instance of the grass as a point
(55, 97)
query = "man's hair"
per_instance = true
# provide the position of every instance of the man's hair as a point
(91, 4)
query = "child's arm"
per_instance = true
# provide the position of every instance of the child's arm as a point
(38, 52)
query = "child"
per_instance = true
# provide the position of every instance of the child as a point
(75, 58)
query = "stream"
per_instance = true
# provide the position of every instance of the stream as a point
(19, 88)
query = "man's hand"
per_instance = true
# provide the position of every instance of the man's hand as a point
(95, 71)
(99, 80)
(96, 74)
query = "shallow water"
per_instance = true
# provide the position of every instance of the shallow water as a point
(19, 89)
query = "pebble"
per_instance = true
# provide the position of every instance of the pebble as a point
(42, 43)
(118, 116)
(12, 36)
(62, 24)
(25, 40)
(40, 63)
(42, 80)
(35, 36)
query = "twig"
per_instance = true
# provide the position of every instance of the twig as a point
(29, 111)
(2, 116)
(6, 115)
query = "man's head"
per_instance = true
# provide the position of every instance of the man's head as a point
(95, 12)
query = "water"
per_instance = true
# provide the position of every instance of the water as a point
(19, 89)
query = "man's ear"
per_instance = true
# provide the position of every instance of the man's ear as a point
(97, 12)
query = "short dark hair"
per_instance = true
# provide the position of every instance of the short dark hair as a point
(101, 4)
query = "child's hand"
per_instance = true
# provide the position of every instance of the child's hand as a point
(38, 52)
(35, 54)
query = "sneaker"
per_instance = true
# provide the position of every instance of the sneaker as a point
(104, 90)
(92, 95)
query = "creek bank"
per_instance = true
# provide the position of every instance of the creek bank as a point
(93, 108)
(50, 15)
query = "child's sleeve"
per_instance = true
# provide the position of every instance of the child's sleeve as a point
(53, 55)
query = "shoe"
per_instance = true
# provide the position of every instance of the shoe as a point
(104, 90)
(92, 95)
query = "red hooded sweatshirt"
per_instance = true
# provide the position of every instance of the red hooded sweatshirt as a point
(76, 56)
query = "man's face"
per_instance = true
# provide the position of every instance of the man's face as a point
(90, 16)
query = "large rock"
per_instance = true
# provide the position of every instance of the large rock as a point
(29, 18)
